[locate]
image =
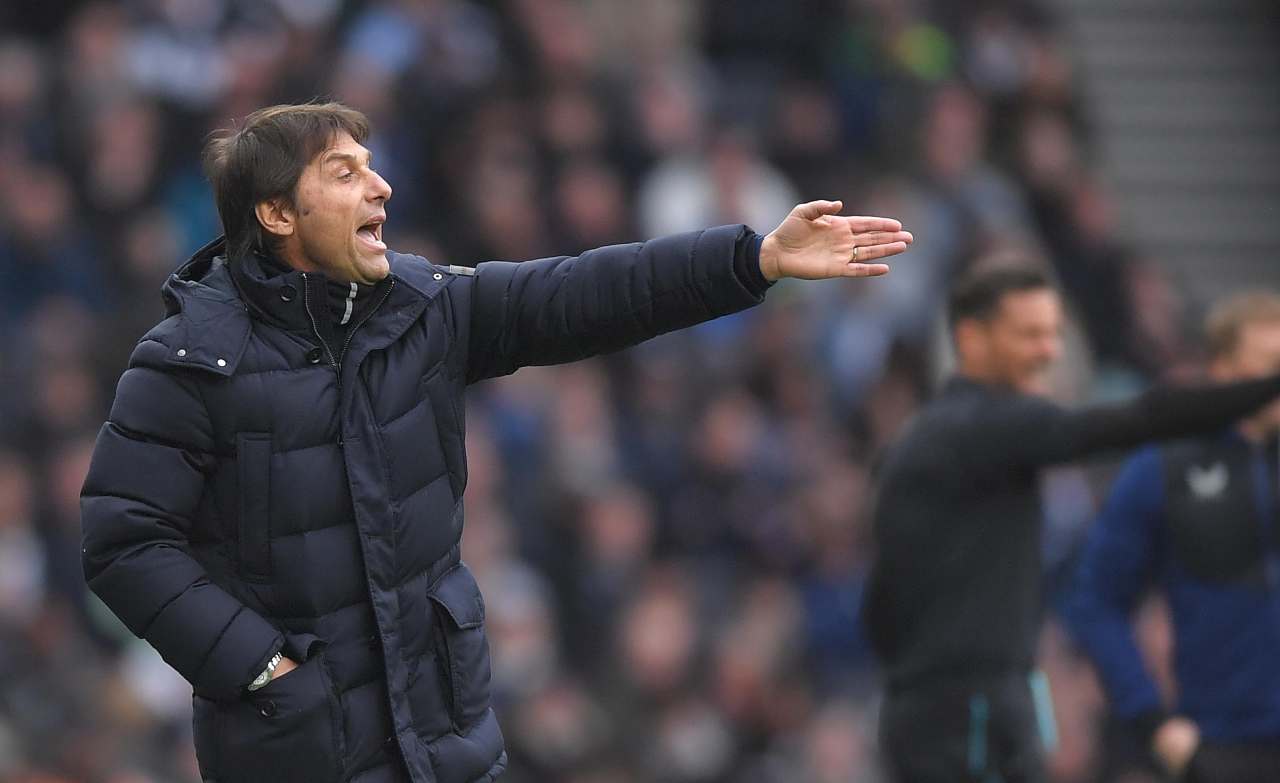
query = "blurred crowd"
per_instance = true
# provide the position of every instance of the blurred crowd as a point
(672, 541)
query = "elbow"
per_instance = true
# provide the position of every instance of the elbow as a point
(96, 557)
(106, 541)
(1090, 621)
(95, 550)
(88, 566)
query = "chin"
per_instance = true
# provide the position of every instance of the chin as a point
(1036, 385)
(374, 269)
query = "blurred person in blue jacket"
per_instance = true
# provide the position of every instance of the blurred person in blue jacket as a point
(1201, 519)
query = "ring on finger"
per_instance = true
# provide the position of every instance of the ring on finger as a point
(855, 252)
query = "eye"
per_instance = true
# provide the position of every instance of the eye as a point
(345, 175)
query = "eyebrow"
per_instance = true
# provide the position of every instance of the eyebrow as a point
(345, 156)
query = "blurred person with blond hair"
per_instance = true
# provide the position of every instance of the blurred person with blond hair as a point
(954, 604)
(275, 502)
(1200, 519)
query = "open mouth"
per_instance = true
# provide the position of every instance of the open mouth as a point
(371, 234)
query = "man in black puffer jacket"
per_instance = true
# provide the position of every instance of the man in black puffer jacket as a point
(274, 502)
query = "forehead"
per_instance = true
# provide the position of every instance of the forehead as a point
(1260, 335)
(341, 148)
(1034, 303)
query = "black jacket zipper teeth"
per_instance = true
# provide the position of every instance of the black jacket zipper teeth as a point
(315, 327)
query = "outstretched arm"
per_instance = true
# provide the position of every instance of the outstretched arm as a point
(566, 308)
(1033, 432)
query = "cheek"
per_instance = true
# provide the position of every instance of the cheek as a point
(1014, 350)
(1270, 414)
(1270, 363)
(333, 229)
(1031, 351)
(324, 214)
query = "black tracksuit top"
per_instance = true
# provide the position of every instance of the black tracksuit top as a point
(956, 586)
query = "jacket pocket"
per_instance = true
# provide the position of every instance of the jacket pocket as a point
(288, 730)
(253, 464)
(464, 651)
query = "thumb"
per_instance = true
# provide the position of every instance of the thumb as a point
(813, 210)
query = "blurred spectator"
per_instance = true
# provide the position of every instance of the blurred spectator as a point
(43, 251)
(22, 570)
(1191, 515)
(731, 183)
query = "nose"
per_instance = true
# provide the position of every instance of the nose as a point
(1052, 348)
(379, 189)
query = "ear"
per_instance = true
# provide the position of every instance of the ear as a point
(276, 217)
(969, 334)
(1222, 369)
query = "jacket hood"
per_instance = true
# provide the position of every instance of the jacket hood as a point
(197, 277)
(208, 323)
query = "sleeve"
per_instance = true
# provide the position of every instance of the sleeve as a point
(1035, 433)
(1116, 567)
(145, 480)
(562, 309)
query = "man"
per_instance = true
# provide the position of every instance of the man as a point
(275, 501)
(1200, 518)
(954, 602)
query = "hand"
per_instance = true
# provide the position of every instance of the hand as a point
(1174, 743)
(286, 665)
(815, 243)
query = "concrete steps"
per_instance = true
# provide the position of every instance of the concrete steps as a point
(1184, 96)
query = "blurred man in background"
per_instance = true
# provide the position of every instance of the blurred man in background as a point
(1198, 518)
(954, 604)
(275, 502)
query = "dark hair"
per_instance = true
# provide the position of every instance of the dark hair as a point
(264, 159)
(979, 293)
(1229, 318)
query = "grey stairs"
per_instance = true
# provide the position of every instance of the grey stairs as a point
(1184, 99)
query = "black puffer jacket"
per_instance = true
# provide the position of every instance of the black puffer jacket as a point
(250, 491)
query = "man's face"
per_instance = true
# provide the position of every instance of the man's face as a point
(1256, 355)
(339, 210)
(1019, 343)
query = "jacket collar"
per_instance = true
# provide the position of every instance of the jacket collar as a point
(280, 298)
(217, 300)
(962, 385)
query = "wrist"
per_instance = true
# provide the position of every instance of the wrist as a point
(1147, 723)
(267, 673)
(769, 258)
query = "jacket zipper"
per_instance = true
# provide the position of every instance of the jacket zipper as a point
(315, 326)
(352, 331)
(1269, 509)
